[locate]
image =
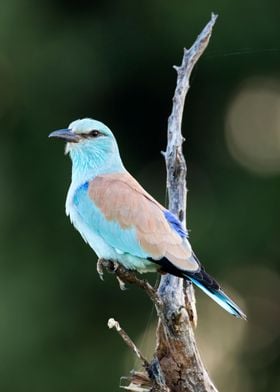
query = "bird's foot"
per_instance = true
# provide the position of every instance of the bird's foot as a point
(111, 266)
(100, 269)
(121, 282)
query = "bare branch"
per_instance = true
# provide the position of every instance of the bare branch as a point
(176, 365)
(112, 323)
(175, 162)
(179, 350)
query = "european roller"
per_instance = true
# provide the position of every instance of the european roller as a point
(120, 220)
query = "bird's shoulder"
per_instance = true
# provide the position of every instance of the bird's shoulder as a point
(121, 187)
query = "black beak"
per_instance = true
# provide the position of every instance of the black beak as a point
(65, 134)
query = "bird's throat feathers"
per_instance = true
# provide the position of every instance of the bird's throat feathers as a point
(94, 157)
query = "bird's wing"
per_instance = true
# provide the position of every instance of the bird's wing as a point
(131, 221)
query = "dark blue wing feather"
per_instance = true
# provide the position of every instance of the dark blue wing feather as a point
(175, 224)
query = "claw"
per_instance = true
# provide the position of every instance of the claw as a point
(115, 266)
(121, 284)
(100, 270)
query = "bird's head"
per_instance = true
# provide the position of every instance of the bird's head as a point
(90, 143)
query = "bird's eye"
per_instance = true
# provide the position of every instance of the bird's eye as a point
(94, 133)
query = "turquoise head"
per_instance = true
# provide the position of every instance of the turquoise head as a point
(92, 147)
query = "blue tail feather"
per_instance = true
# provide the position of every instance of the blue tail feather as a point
(205, 282)
(221, 298)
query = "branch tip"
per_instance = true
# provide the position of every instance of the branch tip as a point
(112, 323)
(214, 17)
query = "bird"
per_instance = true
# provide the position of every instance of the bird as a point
(122, 222)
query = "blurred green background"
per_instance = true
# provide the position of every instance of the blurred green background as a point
(112, 60)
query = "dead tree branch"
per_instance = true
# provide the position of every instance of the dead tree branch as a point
(112, 323)
(176, 365)
(176, 346)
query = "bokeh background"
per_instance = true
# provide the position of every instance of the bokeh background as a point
(112, 60)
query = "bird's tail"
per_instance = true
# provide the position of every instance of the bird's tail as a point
(210, 287)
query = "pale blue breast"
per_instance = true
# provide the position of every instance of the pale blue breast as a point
(91, 221)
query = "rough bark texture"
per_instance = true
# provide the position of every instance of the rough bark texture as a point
(176, 365)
